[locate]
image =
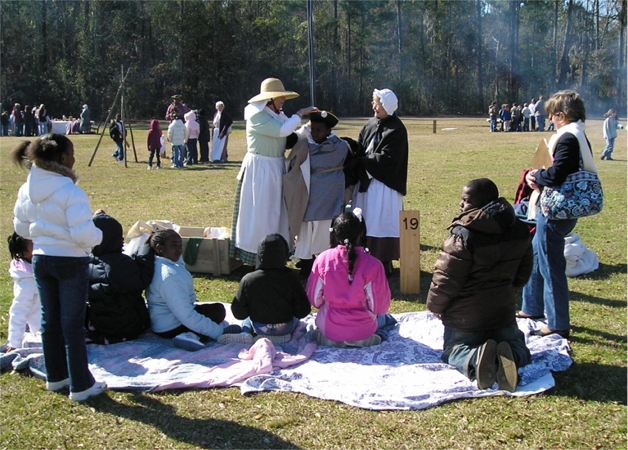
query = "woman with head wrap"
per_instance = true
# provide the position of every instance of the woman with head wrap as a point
(381, 162)
(259, 208)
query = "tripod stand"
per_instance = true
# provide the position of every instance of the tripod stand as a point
(125, 143)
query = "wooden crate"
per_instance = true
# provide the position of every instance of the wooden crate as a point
(213, 254)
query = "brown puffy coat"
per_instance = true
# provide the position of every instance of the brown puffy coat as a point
(487, 256)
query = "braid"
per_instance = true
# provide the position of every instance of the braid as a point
(347, 231)
(160, 237)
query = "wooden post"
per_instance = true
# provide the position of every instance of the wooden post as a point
(410, 261)
(434, 127)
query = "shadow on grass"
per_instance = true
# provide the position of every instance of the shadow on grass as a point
(592, 382)
(203, 433)
(579, 297)
(580, 331)
(604, 271)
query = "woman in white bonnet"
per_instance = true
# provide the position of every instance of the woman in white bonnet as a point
(382, 168)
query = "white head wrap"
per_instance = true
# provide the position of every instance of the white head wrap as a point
(388, 99)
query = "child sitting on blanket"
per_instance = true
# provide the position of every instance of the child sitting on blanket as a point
(26, 307)
(349, 287)
(271, 300)
(172, 305)
(485, 259)
(116, 309)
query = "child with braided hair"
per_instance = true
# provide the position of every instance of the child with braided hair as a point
(349, 287)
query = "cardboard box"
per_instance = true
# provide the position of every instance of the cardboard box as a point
(212, 256)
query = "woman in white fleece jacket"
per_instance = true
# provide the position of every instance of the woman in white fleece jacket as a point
(55, 214)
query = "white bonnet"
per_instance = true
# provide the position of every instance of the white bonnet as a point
(388, 99)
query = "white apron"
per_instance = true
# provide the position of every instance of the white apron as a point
(262, 209)
(217, 146)
(380, 209)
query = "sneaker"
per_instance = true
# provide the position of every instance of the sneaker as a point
(235, 338)
(374, 339)
(486, 364)
(158, 167)
(149, 168)
(507, 369)
(97, 388)
(274, 339)
(319, 338)
(57, 385)
(188, 341)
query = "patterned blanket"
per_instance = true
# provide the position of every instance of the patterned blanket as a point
(404, 372)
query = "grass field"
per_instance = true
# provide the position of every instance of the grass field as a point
(586, 409)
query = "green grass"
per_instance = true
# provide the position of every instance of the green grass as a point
(586, 409)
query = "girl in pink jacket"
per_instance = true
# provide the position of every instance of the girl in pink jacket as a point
(349, 287)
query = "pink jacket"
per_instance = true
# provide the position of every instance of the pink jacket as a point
(348, 312)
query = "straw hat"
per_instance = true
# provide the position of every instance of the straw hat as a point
(272, 88)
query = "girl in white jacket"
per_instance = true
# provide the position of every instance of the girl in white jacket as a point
(55, 214)
(26, 308)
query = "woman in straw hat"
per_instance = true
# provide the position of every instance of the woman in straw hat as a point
(259, 209)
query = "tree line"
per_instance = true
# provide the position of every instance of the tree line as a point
(439, 56)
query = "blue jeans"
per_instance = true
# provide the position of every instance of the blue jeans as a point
(610, 144)
(493, 124)
(264, 329)
(547, 288)
(43, 128)
(177, 155)
(63, 283)
(460, 347)
(5, 130)
(541, 123)
(119, 153)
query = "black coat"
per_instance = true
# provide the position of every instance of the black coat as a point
(271, 294)
(117, 310)
(388, 163)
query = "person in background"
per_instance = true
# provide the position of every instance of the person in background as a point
(25, 309)
(153, 143)
(42, 117)
(506, 117)
(492, 114)
(540, 114)
(176, 107)
(86, 123)
(382, 165)
(192, 130)
(177, 135)
(222, 128)
(532, 114)
(17, 120)
(547, 291)
(116, 132)
(484, 261)
(29, 120)
(54, 213)
(610, 133)
(525, 112)
(4, 123)
(203, 135)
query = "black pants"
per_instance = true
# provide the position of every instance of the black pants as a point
(154, 152)
(214, 311)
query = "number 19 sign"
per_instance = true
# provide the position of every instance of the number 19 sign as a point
(410, 262)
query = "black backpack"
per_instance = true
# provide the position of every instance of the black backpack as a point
(114, 131)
